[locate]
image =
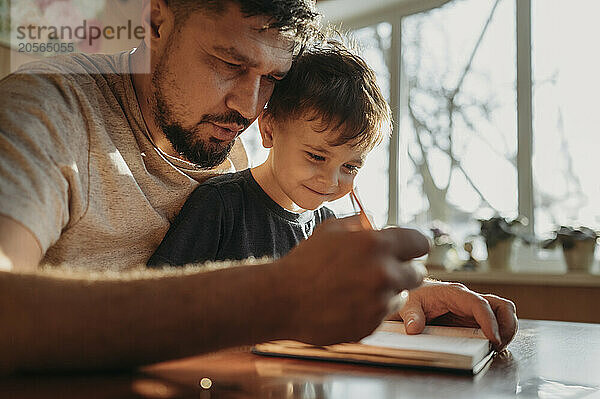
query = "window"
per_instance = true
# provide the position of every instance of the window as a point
(458, 114)
(566, 119)
(496, 104)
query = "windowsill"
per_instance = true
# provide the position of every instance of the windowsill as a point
(571, 279)
(528, 267)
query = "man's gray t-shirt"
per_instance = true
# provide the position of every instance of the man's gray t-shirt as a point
(77, 167)
(230, 217)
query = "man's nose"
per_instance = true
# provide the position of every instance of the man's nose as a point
(245, 97)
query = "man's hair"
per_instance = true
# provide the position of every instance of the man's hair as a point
(331, 85)
(296, 18)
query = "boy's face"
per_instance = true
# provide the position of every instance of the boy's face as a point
(306, 169)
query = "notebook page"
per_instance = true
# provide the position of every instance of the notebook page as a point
(398, 327)
(432, 343)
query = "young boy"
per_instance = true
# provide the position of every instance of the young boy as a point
(320, 123)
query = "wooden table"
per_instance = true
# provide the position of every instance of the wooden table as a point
(546, 360)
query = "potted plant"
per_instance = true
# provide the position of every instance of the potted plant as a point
(470, 264)
(578, 246)
(442, 243)
(499, 234)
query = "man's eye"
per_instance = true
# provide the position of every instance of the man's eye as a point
(315, 156)
(231, 65)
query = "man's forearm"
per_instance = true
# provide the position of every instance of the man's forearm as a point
(78, 323)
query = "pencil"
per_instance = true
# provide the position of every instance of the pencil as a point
(364, 220)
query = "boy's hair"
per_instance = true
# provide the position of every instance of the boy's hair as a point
(295, 18)
(330, 84)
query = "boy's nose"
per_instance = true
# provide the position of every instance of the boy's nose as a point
(328, 181)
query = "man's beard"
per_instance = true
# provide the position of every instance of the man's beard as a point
(188, 142)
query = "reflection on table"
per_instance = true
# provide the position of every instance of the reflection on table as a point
(546, 360)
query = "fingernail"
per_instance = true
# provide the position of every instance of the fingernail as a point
(409, 322)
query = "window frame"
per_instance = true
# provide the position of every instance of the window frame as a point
(393, 15)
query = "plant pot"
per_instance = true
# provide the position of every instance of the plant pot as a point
(500, 254)
(436, 259)
(580, 257)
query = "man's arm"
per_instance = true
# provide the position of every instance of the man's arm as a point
(53, 321)
(20, 251)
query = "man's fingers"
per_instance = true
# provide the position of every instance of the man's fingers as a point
(404, 275)
(406, 243)
(403, 244)
(506, 315)
(486, 318)
(469, 304)
(455, 304)
(413, 317)
(397, 302)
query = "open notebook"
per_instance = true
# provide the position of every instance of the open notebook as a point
(452, 348)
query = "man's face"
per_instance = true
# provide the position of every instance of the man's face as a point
(306, 168)
(213, 78)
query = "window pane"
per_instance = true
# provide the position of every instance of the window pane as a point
(566, 119)
(458, 118)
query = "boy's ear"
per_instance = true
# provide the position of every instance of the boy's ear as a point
(265, 126)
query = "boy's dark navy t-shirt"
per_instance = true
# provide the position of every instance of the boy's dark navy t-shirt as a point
(230, 217)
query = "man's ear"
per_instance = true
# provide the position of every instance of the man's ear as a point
(159, 22)
(265, 126)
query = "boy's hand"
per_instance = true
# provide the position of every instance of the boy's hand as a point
(337, 284)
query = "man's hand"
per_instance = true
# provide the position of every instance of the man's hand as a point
(454, 304)
(338, 284)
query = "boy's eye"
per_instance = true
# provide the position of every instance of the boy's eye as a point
(352, 169)
(315, 156)
(272, 78)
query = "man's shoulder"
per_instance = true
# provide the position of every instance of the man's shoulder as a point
(68, 77)
(78, 64)
(63, 80)
(59, 86)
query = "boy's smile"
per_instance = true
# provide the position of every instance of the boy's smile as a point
(303, 170)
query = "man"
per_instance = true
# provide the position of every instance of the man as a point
(95, 162)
